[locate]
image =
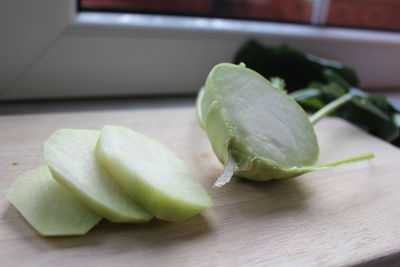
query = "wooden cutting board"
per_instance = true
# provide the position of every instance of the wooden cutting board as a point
(342, 216)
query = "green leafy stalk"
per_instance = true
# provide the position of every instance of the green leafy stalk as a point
(364, 156)
(331, 107)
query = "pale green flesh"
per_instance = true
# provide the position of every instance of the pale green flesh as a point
(257, 128)
(70, 155)
(265, 122)
(151, 174)
(49, 207)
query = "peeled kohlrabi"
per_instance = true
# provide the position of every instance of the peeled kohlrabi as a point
(151, 174)
(70, 155)
(256, 130)
(49, 207)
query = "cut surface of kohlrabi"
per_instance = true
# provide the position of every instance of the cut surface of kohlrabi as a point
(70, 155)
(49, 207)
(151, 174)
(256, 130)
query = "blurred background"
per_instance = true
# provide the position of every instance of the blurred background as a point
(321, 50)
(112, 48)
(369, 14)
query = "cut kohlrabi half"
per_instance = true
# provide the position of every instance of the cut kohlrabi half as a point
(70, 155)
(256, 130)
(49, 207)
(151, 174)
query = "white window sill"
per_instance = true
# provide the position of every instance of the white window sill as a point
(106, 54)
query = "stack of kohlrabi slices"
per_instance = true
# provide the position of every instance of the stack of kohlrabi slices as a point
(115, 173)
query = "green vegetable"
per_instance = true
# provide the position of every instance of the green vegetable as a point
(374, 114)
(255, 129)
(298, 69)
(151, 174)
(70, 155)
(49, 207)
(314, 82)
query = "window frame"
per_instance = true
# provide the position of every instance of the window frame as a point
(92, 54)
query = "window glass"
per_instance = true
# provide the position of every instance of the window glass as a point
(276, 10)
(372, 14)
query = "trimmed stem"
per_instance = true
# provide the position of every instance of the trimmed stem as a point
(331, 107)
(226, 176)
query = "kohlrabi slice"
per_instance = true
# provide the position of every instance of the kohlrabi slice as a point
(70, 155)
(151, 174)
(256, 130)
(49, 207)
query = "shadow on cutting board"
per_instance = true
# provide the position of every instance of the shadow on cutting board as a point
(133, 237)
(249, 200)
(238, 202)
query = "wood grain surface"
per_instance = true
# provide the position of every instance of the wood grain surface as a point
(347, 215)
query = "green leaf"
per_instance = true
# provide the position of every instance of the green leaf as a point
(374, 114)
(335, 78)
(366, 104)
(315, 82)
(309, 98)
(298, 69)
